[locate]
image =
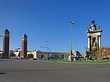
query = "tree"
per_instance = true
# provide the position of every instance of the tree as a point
(30, 55)
(19, 54)
(12, 54)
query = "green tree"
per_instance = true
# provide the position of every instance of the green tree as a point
(12, 54)
(19, 54)
(30, 55)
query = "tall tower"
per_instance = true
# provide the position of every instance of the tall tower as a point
(6, 36)
(24, 46)
(94, 38)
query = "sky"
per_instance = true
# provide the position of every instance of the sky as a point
(46, 20)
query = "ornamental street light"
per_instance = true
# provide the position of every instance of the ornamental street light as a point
(47, 44)
(70, 23)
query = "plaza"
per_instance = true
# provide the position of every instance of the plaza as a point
(54, 41)
(40, 71)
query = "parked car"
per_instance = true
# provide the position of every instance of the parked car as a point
(34, 58)
(17, 58)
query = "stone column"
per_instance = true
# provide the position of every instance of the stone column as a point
(89, 43)
(99, 42)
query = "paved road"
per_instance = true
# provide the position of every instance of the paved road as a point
(39, 71)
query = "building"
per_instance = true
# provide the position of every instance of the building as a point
(18, 52)
(107, 50)
(24, 46)
(55, 55)
(0, 54)
(6, 36)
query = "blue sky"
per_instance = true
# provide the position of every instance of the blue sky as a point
(46, 20)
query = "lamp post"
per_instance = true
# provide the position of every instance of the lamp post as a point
(47, 44)
(70, 23)
(45, 47)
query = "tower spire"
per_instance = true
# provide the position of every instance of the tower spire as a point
(6, 36)
(24, 46)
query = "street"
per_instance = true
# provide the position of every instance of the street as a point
(40, 71)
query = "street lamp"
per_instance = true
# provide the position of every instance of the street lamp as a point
(47, 44)
(44, 47)
(70, 23)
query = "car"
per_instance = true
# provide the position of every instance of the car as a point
(34, 58)
(26, 58)
(17, 58)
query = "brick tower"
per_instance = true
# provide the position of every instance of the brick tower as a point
(6, 36)
(24, 46)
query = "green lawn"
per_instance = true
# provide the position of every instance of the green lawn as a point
(66, 61)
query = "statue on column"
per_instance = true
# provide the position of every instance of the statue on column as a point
(94, 42)
(85, 50)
